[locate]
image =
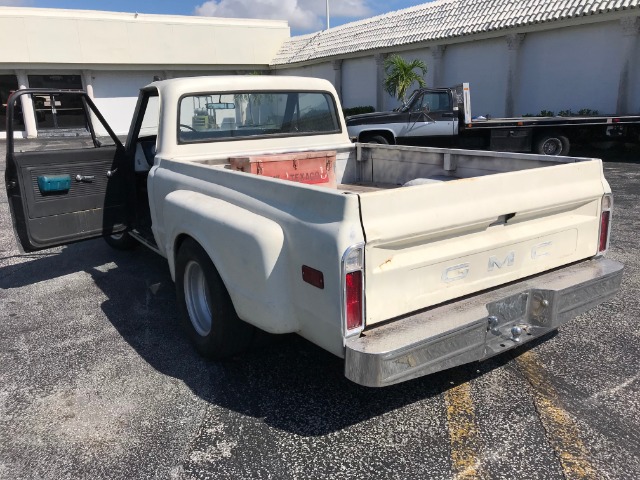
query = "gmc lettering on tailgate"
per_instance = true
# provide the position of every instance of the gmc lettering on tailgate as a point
(461, 271)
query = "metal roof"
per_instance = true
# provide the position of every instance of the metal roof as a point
(439, 20)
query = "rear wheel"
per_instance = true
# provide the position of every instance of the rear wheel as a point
(552, 144)
(379, 139)
(207, 312)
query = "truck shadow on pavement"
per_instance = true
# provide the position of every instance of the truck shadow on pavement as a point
(288, 383)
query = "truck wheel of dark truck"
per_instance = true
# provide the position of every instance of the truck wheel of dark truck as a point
(205, 306)
(379, 139)
(552, 144)
(121, 241)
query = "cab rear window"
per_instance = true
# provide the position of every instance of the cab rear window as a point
(244, 115)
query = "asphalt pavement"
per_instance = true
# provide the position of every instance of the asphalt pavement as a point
(97, 381)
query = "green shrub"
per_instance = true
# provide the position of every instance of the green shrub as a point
(358, 110)
(585, 112)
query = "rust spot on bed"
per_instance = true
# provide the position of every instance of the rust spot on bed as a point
(385, 263)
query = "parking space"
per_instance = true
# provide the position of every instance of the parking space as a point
(98, 381)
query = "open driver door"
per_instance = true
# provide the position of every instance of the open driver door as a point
(64, 195)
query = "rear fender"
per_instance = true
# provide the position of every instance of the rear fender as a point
(246, 248)
(387, 133)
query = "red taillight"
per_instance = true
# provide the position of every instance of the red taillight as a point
(353, 300)
(353, 290)
(604, 231)
(605, 223)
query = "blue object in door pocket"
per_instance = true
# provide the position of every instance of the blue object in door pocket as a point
(54, 183)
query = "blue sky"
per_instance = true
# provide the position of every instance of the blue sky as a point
(304, 16)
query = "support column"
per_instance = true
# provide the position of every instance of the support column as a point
(380, 58)
(513, 45)
(28, 113)
(337, 77)
(437, 64)
(87, 80)
(630, 31)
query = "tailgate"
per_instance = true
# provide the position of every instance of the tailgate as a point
(432, 243)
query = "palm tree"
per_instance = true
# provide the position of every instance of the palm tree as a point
(401, 75)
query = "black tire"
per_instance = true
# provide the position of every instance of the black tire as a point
(205, 306)
(552, 144)
(379, 139)
(121, 241)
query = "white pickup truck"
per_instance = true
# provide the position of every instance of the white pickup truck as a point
(402, 260)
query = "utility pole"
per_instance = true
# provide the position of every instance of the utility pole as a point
(327, 14)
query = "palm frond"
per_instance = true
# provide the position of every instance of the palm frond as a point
(401, 74)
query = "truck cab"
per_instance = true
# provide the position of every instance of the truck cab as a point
(429, 113)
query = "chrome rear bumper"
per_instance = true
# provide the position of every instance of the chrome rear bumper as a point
(478, 327)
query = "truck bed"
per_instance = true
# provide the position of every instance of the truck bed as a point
(551, 121)
(369, 168)
(443, 223)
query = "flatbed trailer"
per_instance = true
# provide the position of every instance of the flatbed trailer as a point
(544, 135)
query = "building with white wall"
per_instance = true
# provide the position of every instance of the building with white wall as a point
(519, 57)
(111, 55)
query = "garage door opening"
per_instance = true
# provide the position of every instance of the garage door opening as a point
(58, 112)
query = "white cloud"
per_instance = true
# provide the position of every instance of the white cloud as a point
(301, 14)
(15, 3)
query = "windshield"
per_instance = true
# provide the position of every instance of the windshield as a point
(216, 116)
(410, 100)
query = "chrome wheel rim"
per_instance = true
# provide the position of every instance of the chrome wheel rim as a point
(196, 295)
(552, 146)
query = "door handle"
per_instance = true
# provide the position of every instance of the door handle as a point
(85, 178)
(447, 115)
(111, 173)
